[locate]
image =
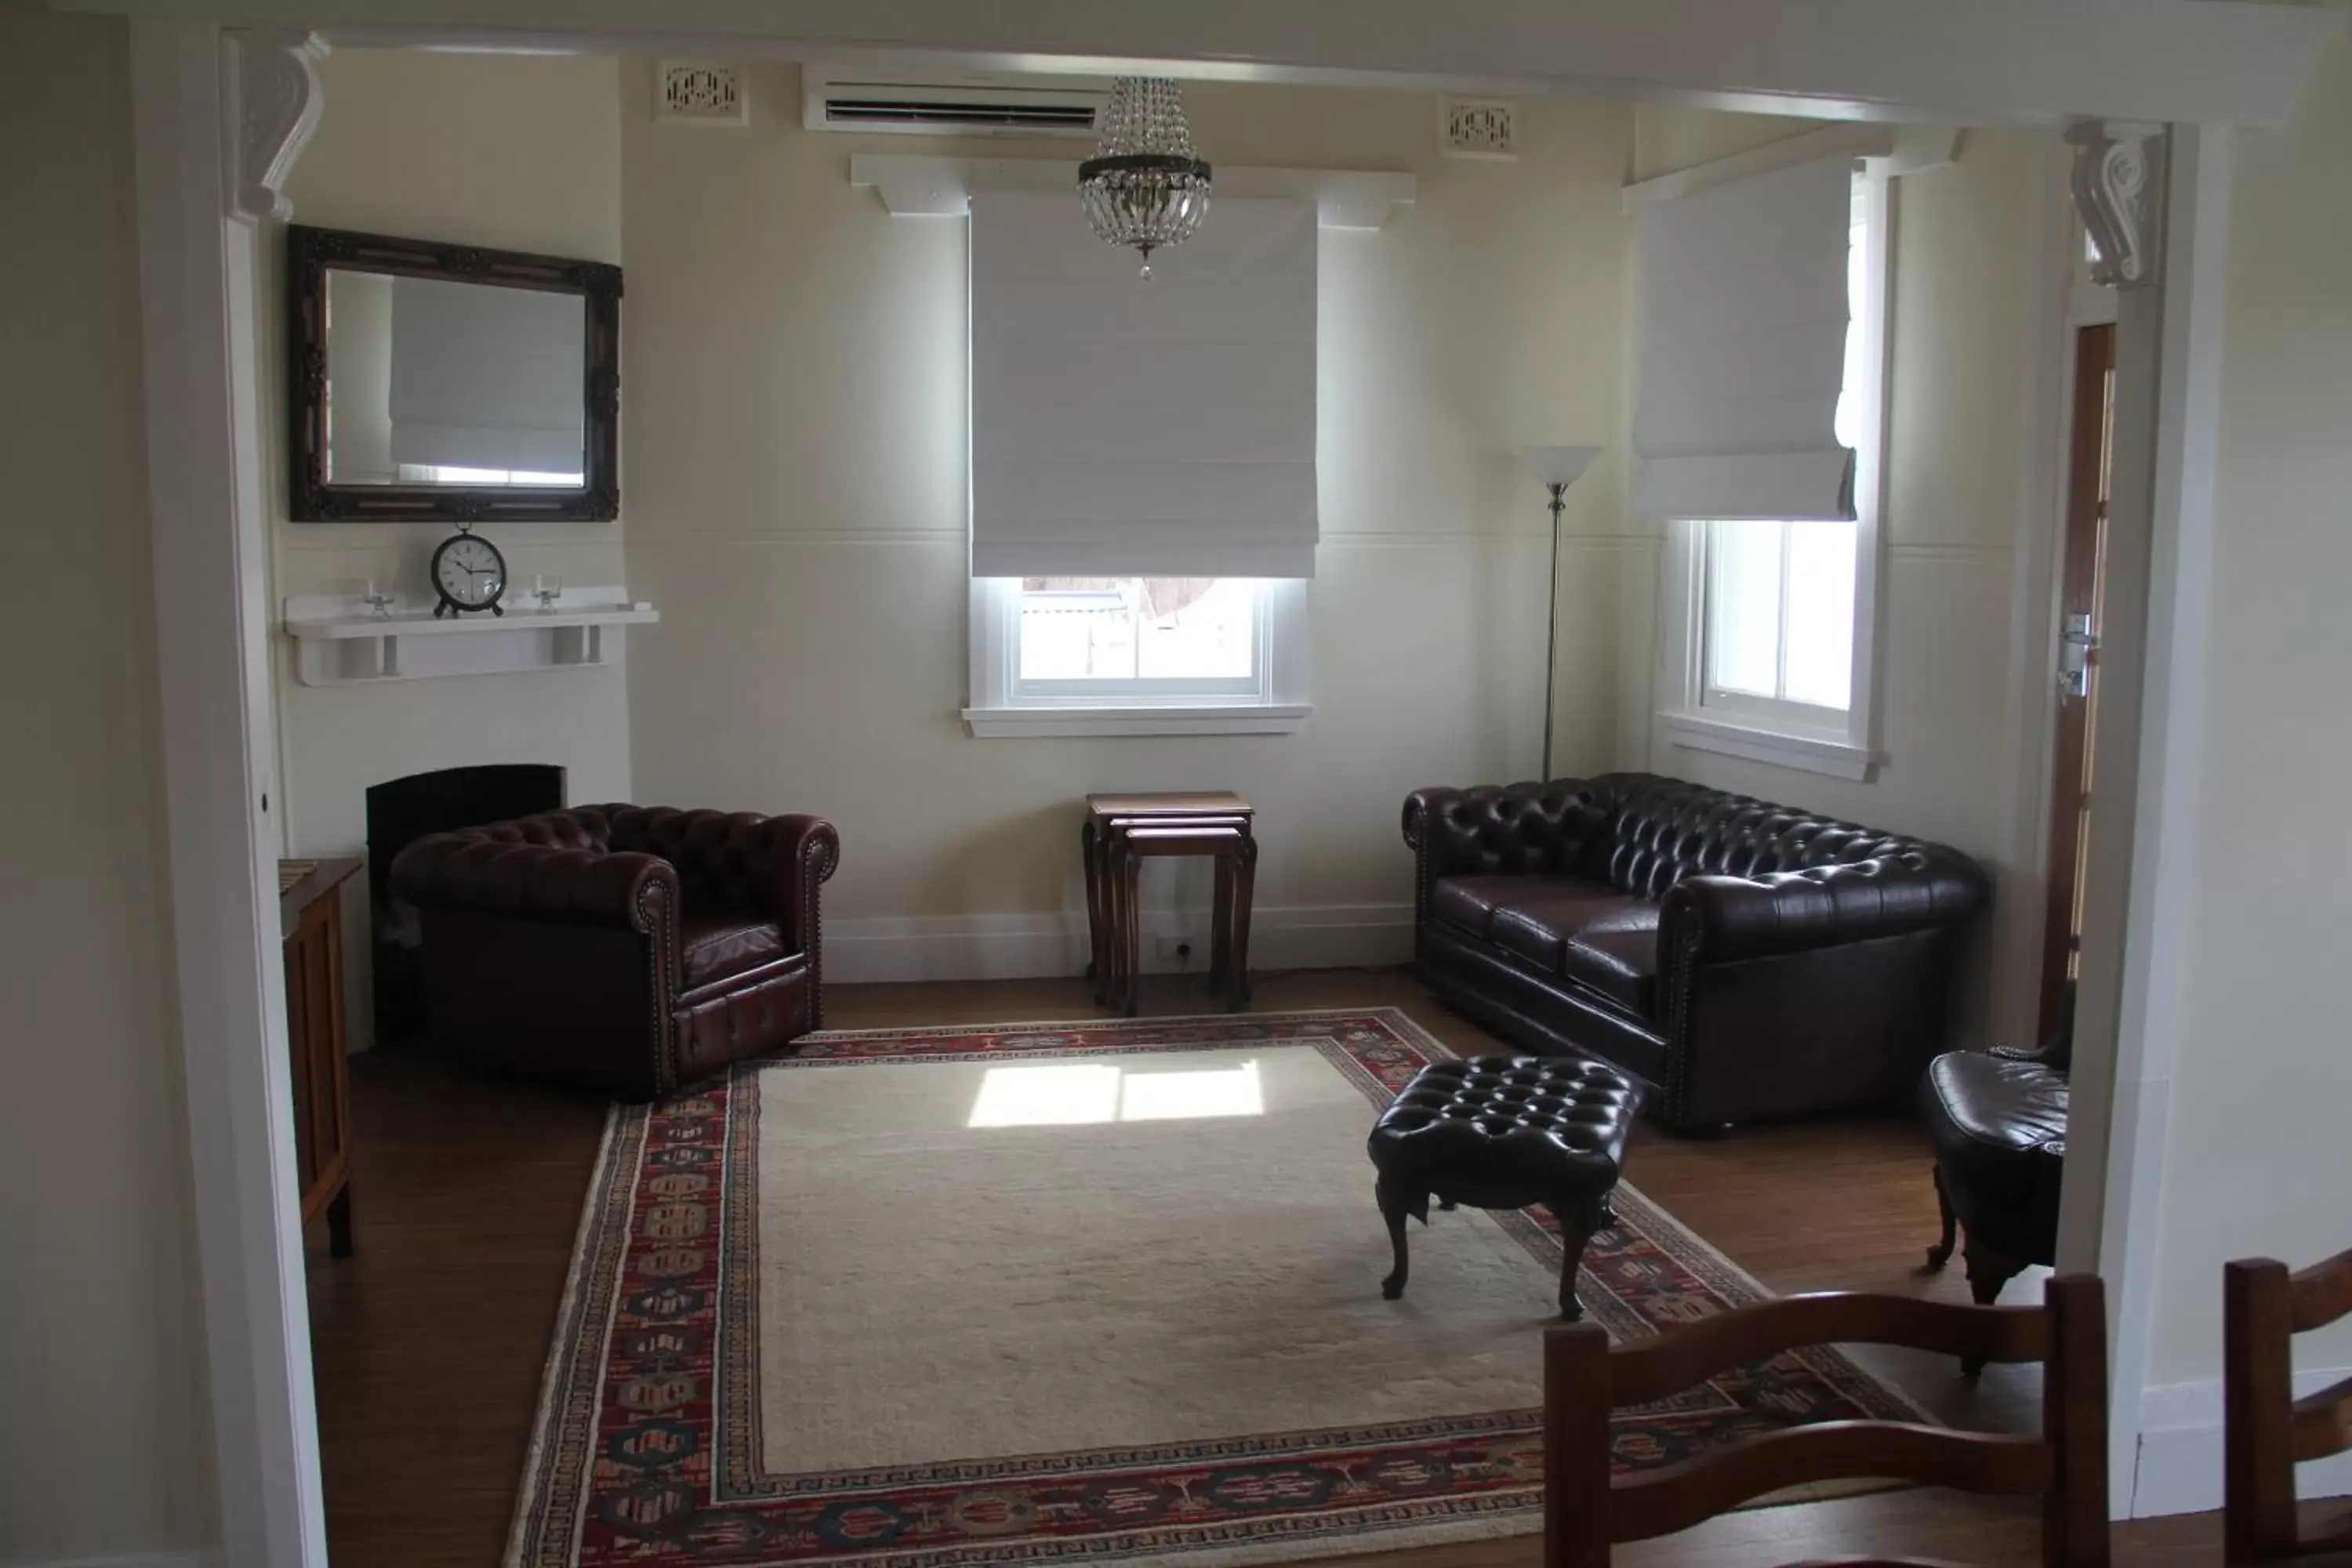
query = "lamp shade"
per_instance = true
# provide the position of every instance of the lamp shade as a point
(1557, 464)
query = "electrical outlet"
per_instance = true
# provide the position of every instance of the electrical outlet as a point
(1176, 947)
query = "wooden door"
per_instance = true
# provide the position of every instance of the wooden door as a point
(2090, 448)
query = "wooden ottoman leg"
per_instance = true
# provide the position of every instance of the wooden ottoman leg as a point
(1941, 1252)
(1395, 1204)
(1988, 1271)
(1578, 1219)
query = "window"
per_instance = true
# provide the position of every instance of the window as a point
(1775, 642)
(1148, 655)
(1144, 505)
(1135, 635)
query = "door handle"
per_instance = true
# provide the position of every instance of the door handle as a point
(2078, 650)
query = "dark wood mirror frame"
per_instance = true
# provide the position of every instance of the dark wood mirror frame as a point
(311, 252)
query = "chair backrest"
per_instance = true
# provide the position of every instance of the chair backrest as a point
(2266, 1430)
(1587, 1510)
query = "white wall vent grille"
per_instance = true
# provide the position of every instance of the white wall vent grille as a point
(700, 92)
(962, 106)
(1477, 128)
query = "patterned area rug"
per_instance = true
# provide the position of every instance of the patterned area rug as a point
(1102, 1291)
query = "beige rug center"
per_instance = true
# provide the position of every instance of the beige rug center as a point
(968, 1260)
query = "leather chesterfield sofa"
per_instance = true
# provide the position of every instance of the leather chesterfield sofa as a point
(1746, 961)
(626, 949)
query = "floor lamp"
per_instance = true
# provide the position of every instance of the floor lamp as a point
(1557, 467)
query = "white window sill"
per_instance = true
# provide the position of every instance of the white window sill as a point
(1200, 719)
(1813, 753)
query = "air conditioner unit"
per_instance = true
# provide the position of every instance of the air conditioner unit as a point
(949, 106)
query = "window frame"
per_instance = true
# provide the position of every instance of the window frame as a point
(1002, 704)
(1772, 730)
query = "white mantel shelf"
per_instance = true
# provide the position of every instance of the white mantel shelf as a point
(339, 641)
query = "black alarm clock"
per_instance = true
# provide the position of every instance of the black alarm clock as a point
(469, 573)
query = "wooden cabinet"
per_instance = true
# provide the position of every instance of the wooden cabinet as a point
(310, 911)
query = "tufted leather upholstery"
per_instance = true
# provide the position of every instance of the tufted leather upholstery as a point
(628, 948)
(1505, 1133)
(1998, 1121)
(1747, 959)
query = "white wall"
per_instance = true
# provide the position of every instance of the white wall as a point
(522, 153)
(1958, 511)
(795, 452)
(2255, 1161)
(103, 1428)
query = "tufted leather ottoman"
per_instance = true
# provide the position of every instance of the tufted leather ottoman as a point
(1507, 1132)
(1998, 1121)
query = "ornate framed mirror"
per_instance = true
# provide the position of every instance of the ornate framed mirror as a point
(449, 382)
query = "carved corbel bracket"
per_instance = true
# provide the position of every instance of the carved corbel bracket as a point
(2115, 184)
(269, 92)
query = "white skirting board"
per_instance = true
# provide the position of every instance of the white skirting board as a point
(2180, 1449)
(1019, 946)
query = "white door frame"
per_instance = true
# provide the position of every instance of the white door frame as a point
(2148, 734)
(190, 94)
(220, 117)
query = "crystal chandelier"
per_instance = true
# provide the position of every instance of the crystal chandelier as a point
(1144, 186)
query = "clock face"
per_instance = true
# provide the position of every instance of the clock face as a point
(469, 572)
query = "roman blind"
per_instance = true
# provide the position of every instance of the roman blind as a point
(488, 378)
(1126, 427)
(1743, 349)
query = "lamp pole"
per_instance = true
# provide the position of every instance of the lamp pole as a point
(1551, 639)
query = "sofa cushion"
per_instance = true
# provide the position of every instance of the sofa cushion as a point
(720, 947)
(1536, 921)
(1468, 903)
(1617, 955)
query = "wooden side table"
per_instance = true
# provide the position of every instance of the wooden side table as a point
(1120, 832)
(311, 915)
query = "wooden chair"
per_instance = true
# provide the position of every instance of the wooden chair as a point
(2266, 1430)
(1586, 1511)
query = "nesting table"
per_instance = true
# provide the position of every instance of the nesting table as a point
(1119, 833)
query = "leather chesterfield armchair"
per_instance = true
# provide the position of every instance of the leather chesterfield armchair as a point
(627, 949)
(1745, 961)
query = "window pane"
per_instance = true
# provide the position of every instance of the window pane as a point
(1198, 627)
(1820, 613)
(1077, 628)
(1743, 606)
(1126, 629)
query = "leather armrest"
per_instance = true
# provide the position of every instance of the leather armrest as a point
(1425, 808)
(535, 881)
(800, 855)
(1726, 918)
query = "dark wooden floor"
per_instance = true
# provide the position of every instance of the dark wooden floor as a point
(428, 1344)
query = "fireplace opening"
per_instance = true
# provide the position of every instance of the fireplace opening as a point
(399, 811)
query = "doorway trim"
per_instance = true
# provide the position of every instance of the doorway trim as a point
(220, 116)
(200, 102)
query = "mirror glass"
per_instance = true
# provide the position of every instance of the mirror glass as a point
(432, 382)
